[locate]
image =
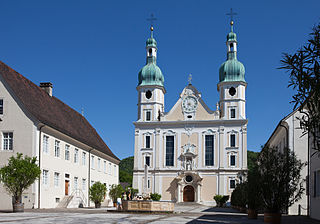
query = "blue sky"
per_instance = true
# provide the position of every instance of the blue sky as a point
(93, 50)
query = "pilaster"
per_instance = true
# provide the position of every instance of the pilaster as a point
(244, 147)
(136, 149)
(221, 147)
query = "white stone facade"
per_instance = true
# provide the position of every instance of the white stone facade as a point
(189, 128)
(288, 134)
(37, 139)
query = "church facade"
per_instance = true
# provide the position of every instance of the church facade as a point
(192, 152)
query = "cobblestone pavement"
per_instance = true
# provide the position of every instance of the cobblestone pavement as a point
(183, 214)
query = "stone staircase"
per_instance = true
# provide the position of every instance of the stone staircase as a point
(65, 201)
(74, 200)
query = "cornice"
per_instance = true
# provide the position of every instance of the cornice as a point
(175, 171)
(219, 122)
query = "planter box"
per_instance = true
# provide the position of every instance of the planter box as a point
(148, 206)
(18, 207)
(273, 218)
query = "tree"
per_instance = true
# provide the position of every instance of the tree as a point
(97, 193)
(125, 177)
(252, 159)
(280, 179)
(115, 192)
(304, 70)
(126, 170)
(19, 174)
(127, 165)
(253, 188)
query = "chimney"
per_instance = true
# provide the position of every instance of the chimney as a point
(47, 87)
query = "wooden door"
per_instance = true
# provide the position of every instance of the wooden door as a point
(188, 194)
(66, 187)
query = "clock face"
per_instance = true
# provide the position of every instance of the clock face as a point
(189, 104)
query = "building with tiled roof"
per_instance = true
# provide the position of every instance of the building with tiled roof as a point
(71, 154)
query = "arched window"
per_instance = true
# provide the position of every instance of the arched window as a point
(231, 47)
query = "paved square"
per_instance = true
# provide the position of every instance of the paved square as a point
(183, 214)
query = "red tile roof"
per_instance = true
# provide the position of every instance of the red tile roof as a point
(52, 111)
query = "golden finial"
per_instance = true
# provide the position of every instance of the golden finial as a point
(151, 28)
(231, 23)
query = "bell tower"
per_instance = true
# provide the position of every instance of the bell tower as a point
(150, 87)
(232, 85)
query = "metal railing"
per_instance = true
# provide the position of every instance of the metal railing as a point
(77, 193)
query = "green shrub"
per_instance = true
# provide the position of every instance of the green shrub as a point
(115, 192)
(239, 195)
(96, 193)
(155, 196)
(221, 199)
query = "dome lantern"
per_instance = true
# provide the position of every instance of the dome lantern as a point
(151, 74)
(232, 69)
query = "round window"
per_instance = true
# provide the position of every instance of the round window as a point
(232, 91)
(189, 178)
(148, 94)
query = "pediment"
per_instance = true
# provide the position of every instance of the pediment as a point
(202, 111)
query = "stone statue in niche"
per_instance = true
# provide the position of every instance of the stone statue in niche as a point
(189, 164)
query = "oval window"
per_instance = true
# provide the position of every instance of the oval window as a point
(232, 91)
(148, 94)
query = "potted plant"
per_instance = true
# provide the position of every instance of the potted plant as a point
(280, 181)
(253, 193)
(155, 196)
(19, 175)
(115, 192)
(221, 199)
(96, 193)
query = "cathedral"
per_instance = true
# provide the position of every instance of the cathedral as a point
(191, 152)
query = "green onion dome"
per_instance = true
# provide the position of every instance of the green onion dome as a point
(231, 70)
(151, 74)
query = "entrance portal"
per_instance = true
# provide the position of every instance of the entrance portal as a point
(188, 194)
(66, 187)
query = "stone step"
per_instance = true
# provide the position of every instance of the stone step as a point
(188, 203)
